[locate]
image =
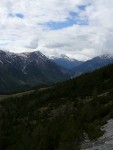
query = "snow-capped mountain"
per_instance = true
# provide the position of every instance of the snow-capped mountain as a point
(66, 62)
(92, 64)
(25, 70)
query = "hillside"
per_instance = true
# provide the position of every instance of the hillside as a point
(58, 117)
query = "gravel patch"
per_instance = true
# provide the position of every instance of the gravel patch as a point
(103, 143)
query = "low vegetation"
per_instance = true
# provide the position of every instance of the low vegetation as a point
(58, 118)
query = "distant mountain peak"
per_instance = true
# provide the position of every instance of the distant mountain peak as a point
(67, 57)
(65, 61)
(94, 63)
(63, 56)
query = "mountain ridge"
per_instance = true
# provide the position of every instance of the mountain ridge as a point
(93, 64)
(28, 70)
(22, 71)
(66, 62)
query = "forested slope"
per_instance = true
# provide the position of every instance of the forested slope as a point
(58, 117)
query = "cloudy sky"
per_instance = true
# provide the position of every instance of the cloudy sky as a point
(78, 28)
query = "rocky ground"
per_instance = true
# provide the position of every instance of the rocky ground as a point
(103, 143)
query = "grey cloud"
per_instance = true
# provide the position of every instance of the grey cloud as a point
(89, 40)
(33, 44)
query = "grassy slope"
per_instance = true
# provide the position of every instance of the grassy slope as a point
(56, 118)
(5, 96)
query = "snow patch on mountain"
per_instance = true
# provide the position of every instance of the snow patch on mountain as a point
(65, 61)
(62, 57)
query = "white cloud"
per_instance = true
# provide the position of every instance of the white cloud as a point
(25, 34)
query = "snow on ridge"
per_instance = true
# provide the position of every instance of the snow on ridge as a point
(75, 57)
(63, 56)
(26, 56)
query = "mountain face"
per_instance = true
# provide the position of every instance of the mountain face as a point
(66, 62)
(93, 64)
(25, 70)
